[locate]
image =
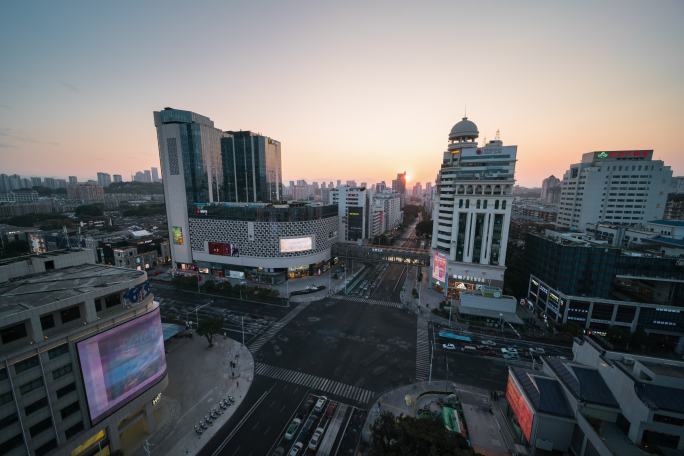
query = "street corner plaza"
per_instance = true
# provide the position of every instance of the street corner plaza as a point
(121, 363)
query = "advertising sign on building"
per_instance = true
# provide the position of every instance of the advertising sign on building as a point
(177, 235)
(291, 245)
(439, 267)
(222, 248)
(523, 413)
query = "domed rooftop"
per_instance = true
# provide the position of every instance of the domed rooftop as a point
(464, 130)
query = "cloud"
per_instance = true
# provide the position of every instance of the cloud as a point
(69, 86)
(9, 134)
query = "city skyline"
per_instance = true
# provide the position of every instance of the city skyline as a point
(383, 97)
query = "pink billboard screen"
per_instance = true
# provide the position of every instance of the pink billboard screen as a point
(439, 267)
(122, 362)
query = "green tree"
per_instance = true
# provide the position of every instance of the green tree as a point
(405, 435)
(89, 210)
(209, 327)
(424, 228)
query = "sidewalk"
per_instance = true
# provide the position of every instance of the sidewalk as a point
(199, 377)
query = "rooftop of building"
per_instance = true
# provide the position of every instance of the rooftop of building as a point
(37, 290)
(290, 211)
(545, 393)
(668, 222)
(585, 383)
(47, 256)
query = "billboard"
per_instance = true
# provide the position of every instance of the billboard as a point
(439, 267)
(121, 363)
(291, 245)
(523, 413)
(222, 248)
(177, 235)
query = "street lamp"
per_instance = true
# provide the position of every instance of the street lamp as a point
(197, 311)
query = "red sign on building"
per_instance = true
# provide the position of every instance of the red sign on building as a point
(222, 248)
(523, 413)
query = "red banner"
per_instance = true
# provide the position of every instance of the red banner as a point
(523, 413)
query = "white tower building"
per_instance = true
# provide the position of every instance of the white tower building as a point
(472, 211)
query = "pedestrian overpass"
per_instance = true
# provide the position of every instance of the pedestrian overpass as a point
(381, 253)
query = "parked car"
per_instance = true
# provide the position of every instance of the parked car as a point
(510, 356)
(292, 428)
(537, 351)
(320, 403)
(449, 346)
(315, 438)
(296, 449)
(331, 409)
(491, 343)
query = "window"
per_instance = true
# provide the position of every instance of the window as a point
(61, 372)
(73, 430)
(58, 351)
(47, 321)
(26, 364)
(50, 265)
(172, 151)
(6, 421)
(70, 314)
(46, 447)
(40, 427)
(70, 409)
(12, 333)
(11, 443)
(63, 391)
(34, 407)
(30, 386)
(503, 204)
(668, 419)
(112, 300)
(6, 397)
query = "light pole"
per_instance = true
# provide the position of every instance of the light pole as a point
(197, 311)
(243, 330)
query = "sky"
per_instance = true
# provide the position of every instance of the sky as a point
(353, 90)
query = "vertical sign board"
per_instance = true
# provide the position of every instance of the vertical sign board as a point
(522, 411)
(439, 267)
(177, 235)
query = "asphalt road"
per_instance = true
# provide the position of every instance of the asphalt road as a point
(389, 288)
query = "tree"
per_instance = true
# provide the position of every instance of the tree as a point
(209, 327)
(89, 210)
(405, 435)
(424, 228)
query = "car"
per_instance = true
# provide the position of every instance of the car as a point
(509, 350)
(296, 448)
(292, 428)
(315, 438)
(537, 351)
(331, 409)
(280, 451)
(510, 356)
(449, 346)
(320, 403)
(469, 349)
(491, 343)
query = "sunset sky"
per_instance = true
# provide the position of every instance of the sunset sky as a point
(353, 90)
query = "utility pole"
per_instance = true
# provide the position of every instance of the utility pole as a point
(243, 330)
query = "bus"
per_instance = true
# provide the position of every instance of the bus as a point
(452, 336)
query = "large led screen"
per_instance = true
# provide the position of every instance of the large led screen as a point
(122, 362)
(523, 413)
(439, 267)
(290, 245)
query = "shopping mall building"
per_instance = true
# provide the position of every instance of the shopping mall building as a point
(82, 356)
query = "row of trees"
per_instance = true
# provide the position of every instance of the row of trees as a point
(227, 289)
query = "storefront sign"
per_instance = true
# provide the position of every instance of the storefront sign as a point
(291, 245)
(177, 235)
(522, 411)
(222, 248)
(439, 267)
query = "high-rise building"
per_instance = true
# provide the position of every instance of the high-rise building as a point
(472, 211)
(255, 240)
(73, 180)
(624, 187)
(148, 175)
(86, 192)
(116, 178)
(104, 179)
(550, 190)
(48, 182)
(252, 170)
(155, 174)
(353, 205)
(380, 186)
(399, 186)
(386, 212)
(36, 181)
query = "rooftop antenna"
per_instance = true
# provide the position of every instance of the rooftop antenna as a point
(498, 135)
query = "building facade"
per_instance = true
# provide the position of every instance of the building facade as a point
(472, 211)
(252, 171)
(104, 179)
(550, 190)
(624, 187)
(54, 396)
(353, 204)
(86, 193)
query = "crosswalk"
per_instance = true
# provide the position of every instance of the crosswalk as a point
(373, 302)
(422, 351)
(255, 345)
(332, 387)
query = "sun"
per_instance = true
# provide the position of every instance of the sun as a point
(408, 177)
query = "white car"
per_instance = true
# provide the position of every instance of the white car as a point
(315, 438)
(537, 351)
(449, 346)
(488, 342)
(296, 449)
(510, 356)
(292, 428)
(320, 403)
